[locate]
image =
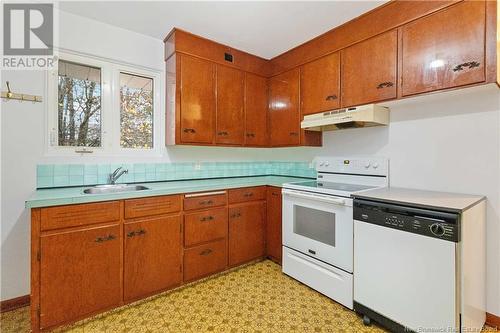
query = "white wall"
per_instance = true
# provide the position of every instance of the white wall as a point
(447, 142)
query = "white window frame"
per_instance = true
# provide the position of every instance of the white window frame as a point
(110, 109)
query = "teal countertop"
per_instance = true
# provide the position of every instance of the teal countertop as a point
(74, 195)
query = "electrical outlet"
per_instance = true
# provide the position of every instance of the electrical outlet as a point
(197, 166)
(311, 165)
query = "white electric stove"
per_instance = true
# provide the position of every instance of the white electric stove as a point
(318, 223)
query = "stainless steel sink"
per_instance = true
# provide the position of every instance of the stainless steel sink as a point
(102, 189)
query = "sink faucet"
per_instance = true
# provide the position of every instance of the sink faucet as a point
(113, 177)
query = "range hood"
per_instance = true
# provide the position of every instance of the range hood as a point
(359, 116)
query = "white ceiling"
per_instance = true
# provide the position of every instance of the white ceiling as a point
(266, 29)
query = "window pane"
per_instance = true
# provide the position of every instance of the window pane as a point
(79, 105)
(136, 111)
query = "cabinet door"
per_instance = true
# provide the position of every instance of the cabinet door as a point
(230, 125)
(80, 273)
(445, 50)
(369, 70)
(273, 226)
(246, 232)
(255, 110)
(197, 100)
(284, 113)
(152, 260)
(320, 85)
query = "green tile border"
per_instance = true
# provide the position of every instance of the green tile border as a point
(63, 175)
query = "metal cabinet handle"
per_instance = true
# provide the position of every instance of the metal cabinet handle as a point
(105, 238)
(275, 194)
(294, 133)
(248, 194)
(385, 85)
(224, 133)
(251, 135)
(189, 130)
(235, 215)
(205, 252)
(206, 202)
(207, 218)
(469, 65)
(331, 97)
(139, 232)
(131, 234)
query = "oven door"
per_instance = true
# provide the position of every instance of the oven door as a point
(320, 226)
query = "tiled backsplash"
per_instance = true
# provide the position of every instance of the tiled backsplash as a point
(60, 175)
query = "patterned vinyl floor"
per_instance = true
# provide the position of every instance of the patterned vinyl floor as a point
(255, 298)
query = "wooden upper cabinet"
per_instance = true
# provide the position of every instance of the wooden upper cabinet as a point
(80, 273)
(197, 100)
(284, 113)
(230, 123)
(152, 257)
(320, 85)
(369, 70)
(444, 50)
(255, 110)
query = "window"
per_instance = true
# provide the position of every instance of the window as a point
(136, 111)
(79, 105)
(100, 107)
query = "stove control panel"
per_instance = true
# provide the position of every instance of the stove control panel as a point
(355, 166)
(425, 222)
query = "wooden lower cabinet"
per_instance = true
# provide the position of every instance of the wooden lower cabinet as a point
(274, 242)
(246, 232)
(152, 256)
(204, 260)
(80, 273)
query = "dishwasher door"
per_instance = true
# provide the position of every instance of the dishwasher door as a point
(406, 277)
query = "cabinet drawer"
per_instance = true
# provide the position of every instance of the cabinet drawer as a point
(152, 206)
(247, 194)
(204, 260)
(76, 215)
(204, 200)
(205, 226)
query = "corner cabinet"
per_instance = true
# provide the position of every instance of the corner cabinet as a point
(445, 49)
(216, 95)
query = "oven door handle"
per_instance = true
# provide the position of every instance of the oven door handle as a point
(316, 197)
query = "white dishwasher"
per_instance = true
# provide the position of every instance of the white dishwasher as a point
(408, 268)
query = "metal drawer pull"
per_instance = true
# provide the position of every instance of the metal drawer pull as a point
(205, 252)
(194, 195)
(294, 133)
(189, 130)
(331, 97)
(469, 65)
(206, 202)
(104, 239)
(223, 133)
(207, 218)
(139, 232)
(252, 135)
(385, 85)
(235, 215)
(248, 194)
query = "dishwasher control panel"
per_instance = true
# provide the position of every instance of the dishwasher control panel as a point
(442, 225)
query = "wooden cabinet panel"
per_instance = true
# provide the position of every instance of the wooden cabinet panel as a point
(444, 50)
(369, 70)
(152, 257)
(320, 84)
(273, 226)
(204, 260)
(80, 273)
(256, 105)
(205, 226)
(205, 200)
(246, 232)
(284, 113)
(197, 100)
(237, 195)
(230, 125)
(77, 215)
(152, 206)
